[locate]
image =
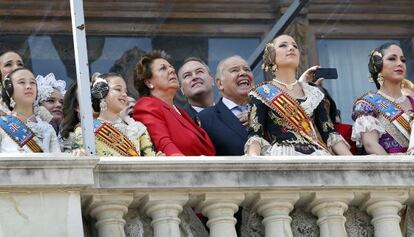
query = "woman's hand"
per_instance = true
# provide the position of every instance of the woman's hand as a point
(309, 75)
(254, 149)
(79, 152)
(160, 153)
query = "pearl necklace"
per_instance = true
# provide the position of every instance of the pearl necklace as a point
(288, 86)
(398, 100)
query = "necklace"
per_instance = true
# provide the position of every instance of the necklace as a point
(288, 86)
(25, 118)
(398, 100)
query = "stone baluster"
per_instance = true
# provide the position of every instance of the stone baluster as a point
(108, 210)
(329, 207)
(220, 209)
(164, 209)
(384, 208)
(275, 208)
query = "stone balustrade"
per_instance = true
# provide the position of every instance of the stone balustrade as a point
(59, 195)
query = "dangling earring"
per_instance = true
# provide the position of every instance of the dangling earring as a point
(380, 79)
(12, 102)
(102, 105)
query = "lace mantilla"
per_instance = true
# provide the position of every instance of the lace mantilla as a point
(46, 85)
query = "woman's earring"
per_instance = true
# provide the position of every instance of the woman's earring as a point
(12, 102)
(151, 86)
(102, 105)
(380, 79)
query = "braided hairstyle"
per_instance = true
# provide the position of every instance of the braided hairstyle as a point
(376, 61)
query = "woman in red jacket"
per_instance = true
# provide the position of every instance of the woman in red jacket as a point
(171, 129)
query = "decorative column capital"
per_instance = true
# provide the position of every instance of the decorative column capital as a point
(275, 205)
(322, 201)
(383, 207)
(220, 209)
(275, 208)
(393, 198)
(164, 208)
(109, 209)
(329, 207)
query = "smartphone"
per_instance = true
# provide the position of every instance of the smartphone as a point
(327, 73)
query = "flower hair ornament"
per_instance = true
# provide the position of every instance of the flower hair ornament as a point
(46, 85)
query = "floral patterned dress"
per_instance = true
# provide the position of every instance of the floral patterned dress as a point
(368, 119)
(135, 131)
(277, 137)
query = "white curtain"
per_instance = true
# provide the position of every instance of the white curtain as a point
(350, 58)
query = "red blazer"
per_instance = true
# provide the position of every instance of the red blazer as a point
(172, 133)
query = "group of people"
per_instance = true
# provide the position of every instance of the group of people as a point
(284, 116)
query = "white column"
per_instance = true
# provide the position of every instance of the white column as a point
(220, 209)
(384, 207)
(329, 207)
(109, 211)
(164, 209)
(275, 208)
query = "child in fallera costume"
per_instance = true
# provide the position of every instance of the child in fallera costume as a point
(115, 135)
(22, 130)
(51, 92)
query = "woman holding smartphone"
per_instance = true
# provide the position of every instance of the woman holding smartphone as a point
(287, 117)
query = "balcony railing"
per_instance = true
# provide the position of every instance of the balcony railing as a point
(53, 195)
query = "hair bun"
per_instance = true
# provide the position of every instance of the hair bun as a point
(99, 89)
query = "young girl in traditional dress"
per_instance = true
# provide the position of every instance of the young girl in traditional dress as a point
(22, 130)
(115, 135)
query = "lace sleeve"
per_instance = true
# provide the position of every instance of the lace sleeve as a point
(365, 124)
(334, 138)
(264, 145)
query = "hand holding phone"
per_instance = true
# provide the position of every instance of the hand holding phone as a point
(326, 73)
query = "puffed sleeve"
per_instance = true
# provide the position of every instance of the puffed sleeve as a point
(366, 120)
(257, 117)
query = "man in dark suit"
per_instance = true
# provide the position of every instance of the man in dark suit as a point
(196, 85)
(226, 122)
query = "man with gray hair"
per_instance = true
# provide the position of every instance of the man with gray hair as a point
(225, 122)
(196, 85)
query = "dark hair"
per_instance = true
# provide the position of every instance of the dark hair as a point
(100, 90)
(191, 59)
(143, 70)
(3, 53)
(70, 115)
(375, 62)
(7, 86)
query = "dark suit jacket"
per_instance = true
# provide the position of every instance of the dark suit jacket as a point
(225, 130)
(191, 111)
(172, 133)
